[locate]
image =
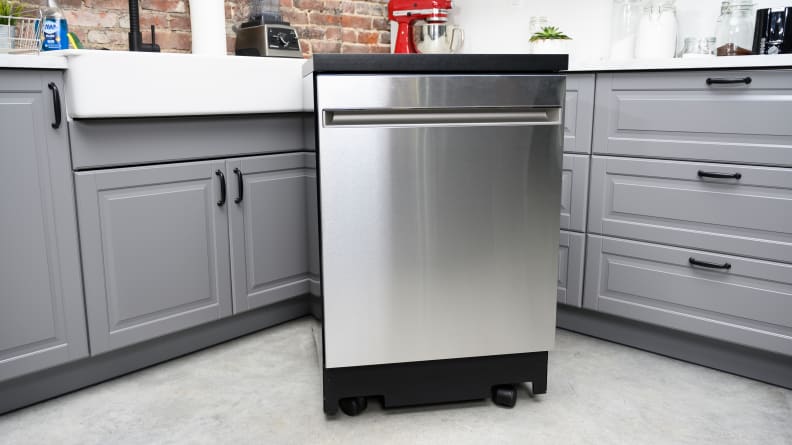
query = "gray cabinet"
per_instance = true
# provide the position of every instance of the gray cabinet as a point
(679, 115)
(679, 203)
(155, 250)
(578, 113)
(42, 320)
(268, 229)
(574, 192)
(749, 302)
(571, 258)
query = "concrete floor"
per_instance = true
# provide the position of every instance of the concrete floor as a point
(265, 388)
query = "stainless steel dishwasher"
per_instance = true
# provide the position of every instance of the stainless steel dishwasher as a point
(439, 223)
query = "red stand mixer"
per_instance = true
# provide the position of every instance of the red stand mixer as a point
(407, 12)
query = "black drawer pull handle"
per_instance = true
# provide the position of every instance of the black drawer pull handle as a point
(708, 265)
(222, 188)
(57, 104)
(703, 174)
(238, 174)
(719, 81)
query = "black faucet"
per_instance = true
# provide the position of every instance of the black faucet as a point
(135, 38)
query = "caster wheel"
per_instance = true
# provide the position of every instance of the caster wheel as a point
(505, 396)
(352, 406)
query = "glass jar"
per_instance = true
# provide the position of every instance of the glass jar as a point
(738, 41)
(537, 24)
(625, 15)
(696, 47)
(657, 31)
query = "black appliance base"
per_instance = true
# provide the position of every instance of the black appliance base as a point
(436, 381)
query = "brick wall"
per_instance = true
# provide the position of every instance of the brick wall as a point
(339, 26)
(324, 26)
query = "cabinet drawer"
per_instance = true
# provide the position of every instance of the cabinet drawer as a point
(749, 304)
(667, 202)
(678, 115)
(574, 192)
(578, 113)
(570, 268)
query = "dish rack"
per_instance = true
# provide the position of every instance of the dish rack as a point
(21, 34)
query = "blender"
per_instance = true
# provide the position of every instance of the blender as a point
(265, 33)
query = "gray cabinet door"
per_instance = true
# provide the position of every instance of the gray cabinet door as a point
(42, 321)
(749, 302)
(669, 202)
(578, 113)
(574, 192)
(313, 225)
(269, 229)
(155, 250)
(570, 268)
(678, 115)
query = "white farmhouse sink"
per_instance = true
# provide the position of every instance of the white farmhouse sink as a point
(102, 84)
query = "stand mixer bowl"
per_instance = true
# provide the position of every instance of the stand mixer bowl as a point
(437, 38)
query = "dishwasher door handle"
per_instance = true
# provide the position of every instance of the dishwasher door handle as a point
(439, 117)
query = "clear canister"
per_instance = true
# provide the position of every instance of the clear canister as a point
(737, 40)
(698, 47)
(625, 16)
(657, 31)
(537, 24)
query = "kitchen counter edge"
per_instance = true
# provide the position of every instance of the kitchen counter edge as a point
(780, 61)
(29, 61)
(435, 63)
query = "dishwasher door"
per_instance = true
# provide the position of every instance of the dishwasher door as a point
(439, 215)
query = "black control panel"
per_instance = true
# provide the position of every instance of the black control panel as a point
(282, 38)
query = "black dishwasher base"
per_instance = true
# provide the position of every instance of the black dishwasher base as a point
(435, 381)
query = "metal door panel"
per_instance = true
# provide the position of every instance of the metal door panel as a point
(439, 215)
(438, 243)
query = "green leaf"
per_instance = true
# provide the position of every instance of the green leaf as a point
(549, 33)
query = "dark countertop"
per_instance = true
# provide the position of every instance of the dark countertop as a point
(435, 63)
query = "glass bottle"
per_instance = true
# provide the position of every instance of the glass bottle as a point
(739, 39)
(625, 15)
(722, 25)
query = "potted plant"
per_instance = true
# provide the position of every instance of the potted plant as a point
(9, 9)
(549, 40)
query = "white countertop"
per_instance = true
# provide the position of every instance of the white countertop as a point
(52, 61)
(777, 61)
(184, 84)
(31, 61)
